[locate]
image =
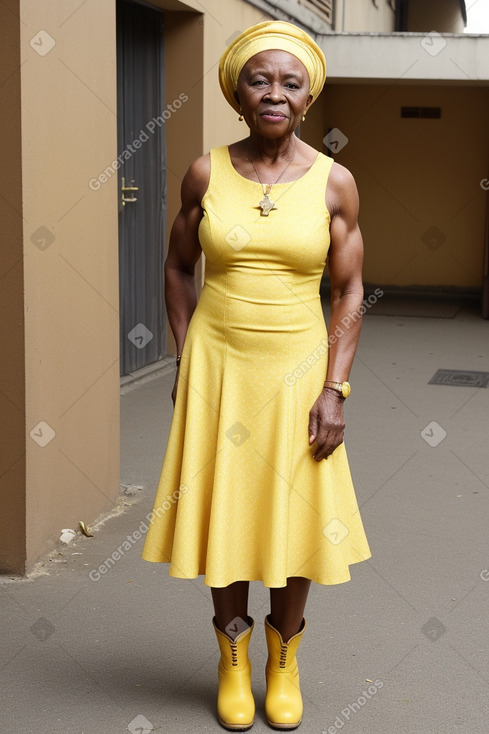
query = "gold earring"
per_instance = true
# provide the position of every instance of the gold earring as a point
(303, 118)
(241, 118)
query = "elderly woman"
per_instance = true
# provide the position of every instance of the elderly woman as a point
(255, 484)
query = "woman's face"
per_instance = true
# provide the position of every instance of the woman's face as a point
(273, 91)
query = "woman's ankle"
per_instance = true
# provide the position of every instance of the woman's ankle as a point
(286, 628)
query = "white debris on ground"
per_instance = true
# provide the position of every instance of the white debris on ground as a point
(130, 490)
(67, 535)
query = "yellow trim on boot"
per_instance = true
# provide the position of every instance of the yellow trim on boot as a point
(235, 702)
(283, 701)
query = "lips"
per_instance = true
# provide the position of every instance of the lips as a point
(273, 115)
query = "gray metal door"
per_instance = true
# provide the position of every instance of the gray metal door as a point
(142, 184)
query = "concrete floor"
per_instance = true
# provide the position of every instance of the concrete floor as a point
(400, 648)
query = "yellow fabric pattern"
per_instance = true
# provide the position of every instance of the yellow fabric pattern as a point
(271, 34)
(240, 496)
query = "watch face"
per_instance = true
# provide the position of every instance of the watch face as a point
(345, 389)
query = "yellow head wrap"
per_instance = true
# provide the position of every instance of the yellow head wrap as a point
(272, 34)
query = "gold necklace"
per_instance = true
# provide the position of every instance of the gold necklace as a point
(266, 204)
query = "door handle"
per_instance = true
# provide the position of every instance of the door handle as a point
(124, 188)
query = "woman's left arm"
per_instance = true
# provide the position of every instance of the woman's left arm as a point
(345, 260)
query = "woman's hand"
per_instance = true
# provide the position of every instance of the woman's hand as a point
(326, 423)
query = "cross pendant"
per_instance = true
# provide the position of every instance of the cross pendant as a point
(266, 206)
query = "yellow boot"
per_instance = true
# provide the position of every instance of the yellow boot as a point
(235, 703)
(283, 702)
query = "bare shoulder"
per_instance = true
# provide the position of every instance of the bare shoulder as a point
(196, 181)
(341, 191)
(341, 179)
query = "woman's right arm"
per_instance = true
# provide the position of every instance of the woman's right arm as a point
(184, 252)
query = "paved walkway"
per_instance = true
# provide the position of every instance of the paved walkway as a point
(401, 648)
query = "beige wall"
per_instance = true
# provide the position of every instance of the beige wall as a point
(68, 123)
(443, 16)
(413, 175)
(363, 16)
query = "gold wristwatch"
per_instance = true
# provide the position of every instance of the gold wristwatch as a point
(343, 388)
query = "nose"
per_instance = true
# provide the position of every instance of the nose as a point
(275, 93)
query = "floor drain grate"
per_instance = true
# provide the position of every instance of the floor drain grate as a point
(464, 378)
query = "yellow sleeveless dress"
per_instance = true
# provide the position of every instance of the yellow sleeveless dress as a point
(240, 496)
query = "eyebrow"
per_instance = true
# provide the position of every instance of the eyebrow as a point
(287, 75)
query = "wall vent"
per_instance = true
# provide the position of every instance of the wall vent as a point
(428, 113)
(321, 8)
(316, 16)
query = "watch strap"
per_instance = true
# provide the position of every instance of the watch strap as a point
(334, 385)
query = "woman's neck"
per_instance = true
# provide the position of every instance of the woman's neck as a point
(271, 150)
